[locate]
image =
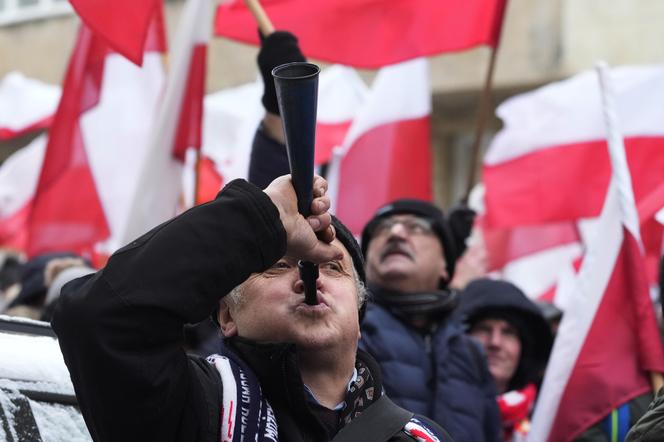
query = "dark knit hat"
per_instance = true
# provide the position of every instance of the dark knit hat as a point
(276, 49)
(420, 209)
(348, 240)
(493, 299)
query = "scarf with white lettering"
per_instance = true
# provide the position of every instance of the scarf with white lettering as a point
(245, 413)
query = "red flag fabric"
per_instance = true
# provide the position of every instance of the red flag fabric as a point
(189, 132)
(66, 212)
(122, 24)
(610, 304)
(387, 150)
(509, 244)
(80, 197)
(209, 181)
(369, 33)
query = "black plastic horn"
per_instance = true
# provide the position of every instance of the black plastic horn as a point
(297, 95)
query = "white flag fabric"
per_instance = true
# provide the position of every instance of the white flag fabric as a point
(160, 178)
(386, 153)
(26, 105)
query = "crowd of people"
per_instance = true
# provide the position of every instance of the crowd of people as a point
(198, 330)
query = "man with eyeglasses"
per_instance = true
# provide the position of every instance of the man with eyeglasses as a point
(428, 363)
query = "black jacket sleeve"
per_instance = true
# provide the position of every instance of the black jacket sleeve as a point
(269, 160)
(120, 329)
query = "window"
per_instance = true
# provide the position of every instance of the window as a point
(16, 11)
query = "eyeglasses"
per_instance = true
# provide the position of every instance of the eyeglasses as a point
(412, 225)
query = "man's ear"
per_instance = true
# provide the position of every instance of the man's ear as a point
(226, 321)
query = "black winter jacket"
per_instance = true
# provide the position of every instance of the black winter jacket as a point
(120, 329)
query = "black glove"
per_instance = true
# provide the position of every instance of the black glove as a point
(276, 49)
(461, 219)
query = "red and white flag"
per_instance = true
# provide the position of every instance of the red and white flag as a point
(387, 152)
(96, 143)
(552, 145)
(122, 24)
(178, 125)
(232, 116)
(370, 33)
(26, 105)
(66, 212)
(341, 93)
(608, 341)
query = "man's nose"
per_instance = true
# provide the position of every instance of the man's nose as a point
(298, 285)
(495, 338)
(398, 230)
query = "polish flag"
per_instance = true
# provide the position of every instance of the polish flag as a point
(549, 163)
(26, 105)
(66, 211)
(551, 147)
(369, 33)
(178, 125)
(387, 152)
(341, 92)
(122, 24)
(610, 304)
(232, 116)
(78, 199)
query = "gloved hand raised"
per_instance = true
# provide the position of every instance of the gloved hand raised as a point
(307, 239)
(276, 49)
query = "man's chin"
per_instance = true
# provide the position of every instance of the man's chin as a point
(397, 268)
(320, 337)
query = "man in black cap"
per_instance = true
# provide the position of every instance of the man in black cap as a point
(428, 363)
(290, 371)
(517, 340)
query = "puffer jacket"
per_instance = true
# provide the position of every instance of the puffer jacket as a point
(441, 374)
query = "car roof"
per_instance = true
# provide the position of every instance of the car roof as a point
(37, 400)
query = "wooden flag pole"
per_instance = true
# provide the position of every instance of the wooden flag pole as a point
(264, 23)
(483, 113)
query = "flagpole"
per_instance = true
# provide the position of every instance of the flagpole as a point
(485, 103)
(264, 23)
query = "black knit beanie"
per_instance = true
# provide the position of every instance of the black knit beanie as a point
(421, 209)
(276, 49)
